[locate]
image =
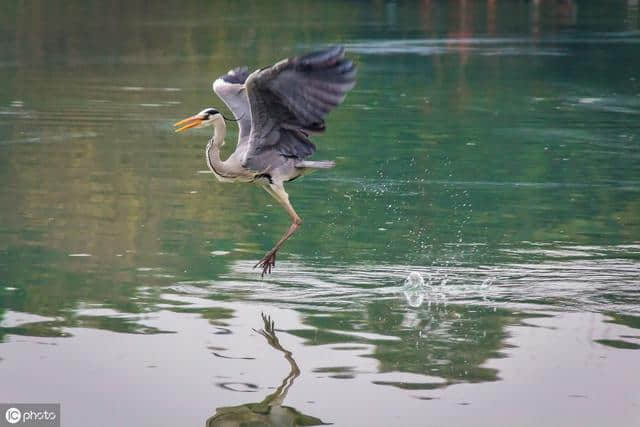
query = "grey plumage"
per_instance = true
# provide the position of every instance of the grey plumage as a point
(293, 97)
(277, 109)
(236, 76)
(278, 106)
(230, 88)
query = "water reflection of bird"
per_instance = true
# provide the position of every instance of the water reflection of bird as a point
(270, 411)
(276, 109)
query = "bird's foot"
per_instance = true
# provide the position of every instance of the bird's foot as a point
(267, 262)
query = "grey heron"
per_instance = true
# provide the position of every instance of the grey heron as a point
(277, 108)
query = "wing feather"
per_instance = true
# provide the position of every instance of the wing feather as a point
(292, 98)
(231, 89)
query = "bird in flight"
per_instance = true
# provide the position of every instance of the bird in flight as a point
(277, 109)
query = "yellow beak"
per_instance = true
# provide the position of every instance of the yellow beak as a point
(188, 123)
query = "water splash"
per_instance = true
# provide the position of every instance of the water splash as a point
(414, 281)
(414, 289)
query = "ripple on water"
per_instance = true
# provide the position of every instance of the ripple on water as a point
(521, 46)
(589, 278)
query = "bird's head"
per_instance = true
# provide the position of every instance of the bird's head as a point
(204, 118)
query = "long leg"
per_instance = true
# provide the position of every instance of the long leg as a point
(277, 191)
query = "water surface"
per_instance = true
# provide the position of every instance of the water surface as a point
(491, 148)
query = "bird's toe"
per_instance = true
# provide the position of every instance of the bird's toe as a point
(267, 263)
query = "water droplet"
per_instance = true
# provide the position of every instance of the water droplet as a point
(487, 282)
(414, 281)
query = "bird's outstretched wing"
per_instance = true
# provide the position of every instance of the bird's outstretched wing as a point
(230, 88)
(292, 98)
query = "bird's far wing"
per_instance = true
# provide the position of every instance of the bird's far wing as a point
(293, 97)
(230, 88)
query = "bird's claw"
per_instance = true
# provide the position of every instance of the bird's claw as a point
(267, 263)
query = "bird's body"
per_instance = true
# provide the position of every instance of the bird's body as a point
(276, 109)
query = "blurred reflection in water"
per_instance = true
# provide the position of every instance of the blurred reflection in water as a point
(269, 412)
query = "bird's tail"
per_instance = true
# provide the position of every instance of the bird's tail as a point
(317, 164)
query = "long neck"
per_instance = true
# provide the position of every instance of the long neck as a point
(214, 161)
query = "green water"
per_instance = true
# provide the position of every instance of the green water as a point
(490, 147)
